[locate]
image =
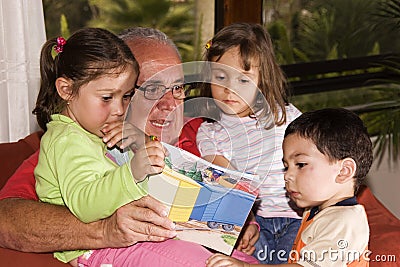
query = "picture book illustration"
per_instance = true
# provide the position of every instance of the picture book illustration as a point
(208, 203)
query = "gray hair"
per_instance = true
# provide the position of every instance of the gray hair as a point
(134, 33)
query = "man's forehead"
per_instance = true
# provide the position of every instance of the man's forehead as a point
(156, 58)
(157, 70)
(149, 49)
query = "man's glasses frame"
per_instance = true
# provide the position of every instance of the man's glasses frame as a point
(157, 91)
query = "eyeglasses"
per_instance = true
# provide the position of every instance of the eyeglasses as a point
(157, 91)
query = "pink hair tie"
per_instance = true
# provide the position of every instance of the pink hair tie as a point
(60, 44)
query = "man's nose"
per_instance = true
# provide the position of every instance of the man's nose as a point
(167, 102)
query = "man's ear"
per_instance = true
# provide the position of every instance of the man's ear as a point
(64, 88)
(347, 171)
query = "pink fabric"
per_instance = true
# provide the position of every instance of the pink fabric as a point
(166, 254)
(244, 257)
(170, 253)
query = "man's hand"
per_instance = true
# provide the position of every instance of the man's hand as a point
(141, 220)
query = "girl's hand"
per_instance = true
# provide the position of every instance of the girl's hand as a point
(248, 239)
(148, 160)
(113, 133)
(123, 135)
(219, 260)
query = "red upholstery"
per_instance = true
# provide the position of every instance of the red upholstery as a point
(20, 259)
(384, 230)
(384, 226)
(11, 156)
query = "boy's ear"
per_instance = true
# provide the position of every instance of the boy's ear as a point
(347, 171)
(64, 88)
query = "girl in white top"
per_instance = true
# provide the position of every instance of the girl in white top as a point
(250, 114)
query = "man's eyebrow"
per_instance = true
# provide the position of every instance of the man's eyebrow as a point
(154, 81)
(180, 80)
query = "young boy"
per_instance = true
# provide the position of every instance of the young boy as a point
(327, 154)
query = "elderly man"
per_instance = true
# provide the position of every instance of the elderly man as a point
(157, 108)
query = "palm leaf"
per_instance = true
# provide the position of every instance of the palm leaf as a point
(382, 117)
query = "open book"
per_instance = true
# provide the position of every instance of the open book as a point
(209, 203)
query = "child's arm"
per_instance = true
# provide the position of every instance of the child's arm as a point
(83, 174)
(250, 235)
(149, 154)
(219, 260)
(209, 145)
(220, 161)
(149, 159)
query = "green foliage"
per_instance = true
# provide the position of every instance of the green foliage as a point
(175, 19)
(282, 44)
(350, 28)
(385, 123)
(77, 13)
(382, 117)
(314, 30)
(389, 11)
(333, 29)
(64, 27)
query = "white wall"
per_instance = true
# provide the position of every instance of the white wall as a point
(384, 182)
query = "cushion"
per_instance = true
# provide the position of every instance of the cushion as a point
(384, 230)
(13, 154)
(20, 259)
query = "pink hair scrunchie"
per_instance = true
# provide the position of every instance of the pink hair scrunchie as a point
(60, 44)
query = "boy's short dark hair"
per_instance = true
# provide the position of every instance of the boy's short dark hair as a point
(337, 133)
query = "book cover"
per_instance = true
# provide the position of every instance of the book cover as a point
(208, 203)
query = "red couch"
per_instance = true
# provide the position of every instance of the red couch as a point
(384, 226)
(11, 156)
